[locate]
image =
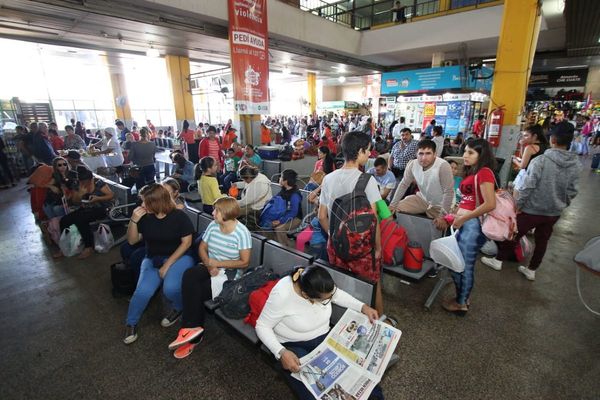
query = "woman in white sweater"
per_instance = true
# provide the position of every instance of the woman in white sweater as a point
(295, 319)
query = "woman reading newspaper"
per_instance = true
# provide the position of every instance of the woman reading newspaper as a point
(295, 319)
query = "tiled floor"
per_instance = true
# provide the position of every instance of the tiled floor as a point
(62, 331)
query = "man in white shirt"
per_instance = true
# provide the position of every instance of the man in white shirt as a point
(396, 132)
(435, 181)
(384, 177)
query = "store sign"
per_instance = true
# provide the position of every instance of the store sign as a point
(456, 96)
(438, 78)
(249, 44)
(565, 78)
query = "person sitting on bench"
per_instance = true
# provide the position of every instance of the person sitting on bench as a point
(295, 319)
(434, 179)
(225, 249)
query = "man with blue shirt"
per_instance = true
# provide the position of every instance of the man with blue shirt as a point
(384, 177)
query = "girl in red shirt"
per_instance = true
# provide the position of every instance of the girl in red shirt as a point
(479, 163)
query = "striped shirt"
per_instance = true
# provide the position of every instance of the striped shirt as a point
(226, 246)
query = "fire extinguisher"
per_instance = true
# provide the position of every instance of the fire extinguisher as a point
(495, 126)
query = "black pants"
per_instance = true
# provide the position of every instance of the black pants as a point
(6, 176)
(146, 176)
(195, 290)
(81, 218)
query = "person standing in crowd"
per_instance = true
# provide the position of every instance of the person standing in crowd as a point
(80, 131)
(265, 134)
(24, 140)
(586, 133)
(402, 152)
(229, 137)
(152, 129)
(123, 130)
(210, 147)
(296, 318)
(111, 149)
(293, 214)
(398, 13)
(478, 127)
(433, 176)
(438, 139)
(549, 187)
(73, 141)
(428, 132)
(94, 197)
(167, 233)
(188, 136)
(42, 149)
(356, 147)
(208, 186)
(396, 132)
(478, 199)
(224, 251)
(6, 176)
(254, 196)
(384, 177)
(142, 154)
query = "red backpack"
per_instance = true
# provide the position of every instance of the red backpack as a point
(393, 241)
(257, 301)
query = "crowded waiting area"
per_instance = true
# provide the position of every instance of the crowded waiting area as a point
(300, 199)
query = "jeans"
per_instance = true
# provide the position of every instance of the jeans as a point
(228, 179)
(149, 282)
(133, 255)
(543, 225)
(146, 176)
(54, 210)
(470, 239)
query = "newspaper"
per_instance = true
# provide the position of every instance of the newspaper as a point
(350, 362)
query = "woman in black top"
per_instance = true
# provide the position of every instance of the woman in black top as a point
(95, 197)
(167, 233)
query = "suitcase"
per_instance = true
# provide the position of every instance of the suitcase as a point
(596, 161)
(123, 278)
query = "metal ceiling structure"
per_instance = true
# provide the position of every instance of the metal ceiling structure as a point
(583, 27)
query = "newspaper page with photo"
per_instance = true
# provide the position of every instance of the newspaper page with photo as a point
(351, 360)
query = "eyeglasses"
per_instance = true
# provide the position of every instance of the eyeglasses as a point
(61, 165)
(323, 302)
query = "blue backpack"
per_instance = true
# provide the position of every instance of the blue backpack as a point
(272, 211)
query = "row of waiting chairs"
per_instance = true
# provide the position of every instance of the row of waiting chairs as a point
(273, 255)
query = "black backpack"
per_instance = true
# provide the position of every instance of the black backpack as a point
(286, 153)
(353, 224)
(124, 279)
(233, 299)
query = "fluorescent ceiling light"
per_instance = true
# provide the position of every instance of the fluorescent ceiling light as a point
(342, 79)
(489, 60)
(572, 66)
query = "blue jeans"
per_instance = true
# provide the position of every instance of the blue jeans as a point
(470, 240)
(146, 176)
(53, 211)
(228, 179)
(149, 282)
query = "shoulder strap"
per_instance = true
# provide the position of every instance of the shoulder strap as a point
(362, 182)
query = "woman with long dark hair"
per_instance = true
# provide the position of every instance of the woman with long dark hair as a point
(478, 199)
(325, 163)
(292, 218)
(53, 205)
(208, 185)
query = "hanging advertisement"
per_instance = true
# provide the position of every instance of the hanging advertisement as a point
(428, 114)
(249, 44)
(435, 79)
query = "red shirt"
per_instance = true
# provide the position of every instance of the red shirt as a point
(468, 200)
(478, 128)
(188, 136)
(56, 142)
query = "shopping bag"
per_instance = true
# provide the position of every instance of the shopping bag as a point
(520, 179)
(70, 242)
(103, 239)
(445, 251)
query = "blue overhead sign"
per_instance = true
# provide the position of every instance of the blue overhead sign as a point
(431, 79)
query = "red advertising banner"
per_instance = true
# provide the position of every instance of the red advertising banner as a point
(249, 44)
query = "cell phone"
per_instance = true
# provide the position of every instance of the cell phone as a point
(85, 201)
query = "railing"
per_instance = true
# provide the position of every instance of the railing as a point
(346, 12)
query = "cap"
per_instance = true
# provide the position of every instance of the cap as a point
(110, 131)
(73, 154)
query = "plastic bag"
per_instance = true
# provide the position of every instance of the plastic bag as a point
(103, 239)
(70, 242)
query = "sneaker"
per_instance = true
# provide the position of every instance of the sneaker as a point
(170, 319)
(130, 334)
(185, 350)
(492, 263)
(529, 274)
(185, 335)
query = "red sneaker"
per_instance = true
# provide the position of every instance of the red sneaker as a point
(184, 351)
(184, 336)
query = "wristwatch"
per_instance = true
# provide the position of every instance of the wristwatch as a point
(280, 353)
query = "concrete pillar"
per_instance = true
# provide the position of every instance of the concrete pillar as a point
(119, 90)
(178, 70)
(592, 84)
(249, 128)
(516, 49)
(312, 91)
(437, 59)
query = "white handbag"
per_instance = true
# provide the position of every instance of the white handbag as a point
(445, 251)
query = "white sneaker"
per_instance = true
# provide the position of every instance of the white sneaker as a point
(492, 263)
(529, 274)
